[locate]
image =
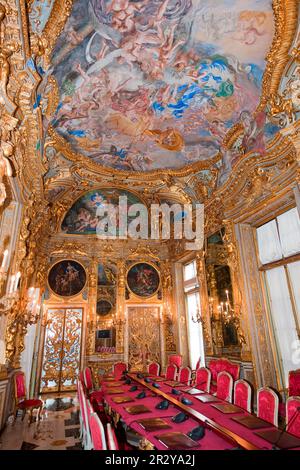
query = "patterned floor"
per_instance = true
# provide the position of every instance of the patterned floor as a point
(57, 430)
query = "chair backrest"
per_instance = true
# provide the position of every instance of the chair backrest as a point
(88, 379)
(171, 372)
(118, 369)
(294, 383)
(242, 394)
(202, 379)
(185, 375)
(198, 364)
(154, 368)
(20, 387)
(224, 386)
(97, 432)
(81, 378)
(293, 415)
(83, 406)
(111, 439)
(267, 405)
(175, 359)
(219, 365)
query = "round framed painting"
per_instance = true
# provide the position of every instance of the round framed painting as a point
(143, 279)
(67, 278)
(104, 307)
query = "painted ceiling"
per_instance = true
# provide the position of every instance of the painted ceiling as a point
(157, 84)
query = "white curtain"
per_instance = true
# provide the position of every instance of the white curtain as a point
(289, 232)
(294, 273)
(196, 348)
(283, 319)
(268, 243)
(27, 354)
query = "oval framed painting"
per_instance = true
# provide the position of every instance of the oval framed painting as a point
(143, 279)
(104, 307)
(67, 278)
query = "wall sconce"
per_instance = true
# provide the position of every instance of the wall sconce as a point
(33, 307)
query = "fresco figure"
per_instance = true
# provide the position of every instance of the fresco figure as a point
(142, 82)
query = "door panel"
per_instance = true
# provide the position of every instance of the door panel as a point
(61, 357)
(143, 336)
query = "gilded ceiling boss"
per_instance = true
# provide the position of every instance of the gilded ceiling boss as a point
(150, 230)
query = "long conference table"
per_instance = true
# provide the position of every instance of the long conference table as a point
(222, 430)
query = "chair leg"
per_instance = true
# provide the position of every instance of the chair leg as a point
(23, 414)
(15, 415)
(30, 416)
(40, 409)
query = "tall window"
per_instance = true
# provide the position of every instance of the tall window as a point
(193, 310)
(279, 254)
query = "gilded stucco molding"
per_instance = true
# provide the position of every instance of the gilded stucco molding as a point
(60, 12)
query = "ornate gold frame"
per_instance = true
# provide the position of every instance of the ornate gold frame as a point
(159, 284)
(64, 296)
(85, 191)
(285, 19)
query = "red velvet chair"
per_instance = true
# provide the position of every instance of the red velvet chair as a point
(175, 359)
(96, 430)
(267, 405)
(202, 379)
(95, 396)
(294, 383)
(85, 435)
(242, 394)
(293, 389)
(171, 372)
(219, 365)
(111, 439)
(118, 369)
(154, 369)
(184, 375)
(23, 403)
(224, 386)
(293, 415)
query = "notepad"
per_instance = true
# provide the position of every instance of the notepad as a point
(114, 391)
(174, 383)
(282, 440)
(153, 424)
(137, 409)
(207, 398)
(195, 391)
(227, 408)
(176, 440)
(122, 399)
(251, 422)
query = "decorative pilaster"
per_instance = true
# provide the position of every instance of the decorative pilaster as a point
(240, 317)
(91, 314)
(120, 310)
(168, 306)
(204, 301)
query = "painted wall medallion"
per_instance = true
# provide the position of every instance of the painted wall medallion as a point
(67, 278)
(143, 279)
(103, 308)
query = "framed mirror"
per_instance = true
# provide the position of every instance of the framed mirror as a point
(221, 298)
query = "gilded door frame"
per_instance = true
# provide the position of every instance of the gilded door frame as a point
(62, 306)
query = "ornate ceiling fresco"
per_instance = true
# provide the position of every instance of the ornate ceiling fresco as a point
(157, 84)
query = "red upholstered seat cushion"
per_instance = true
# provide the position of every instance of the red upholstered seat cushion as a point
(30, 403)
